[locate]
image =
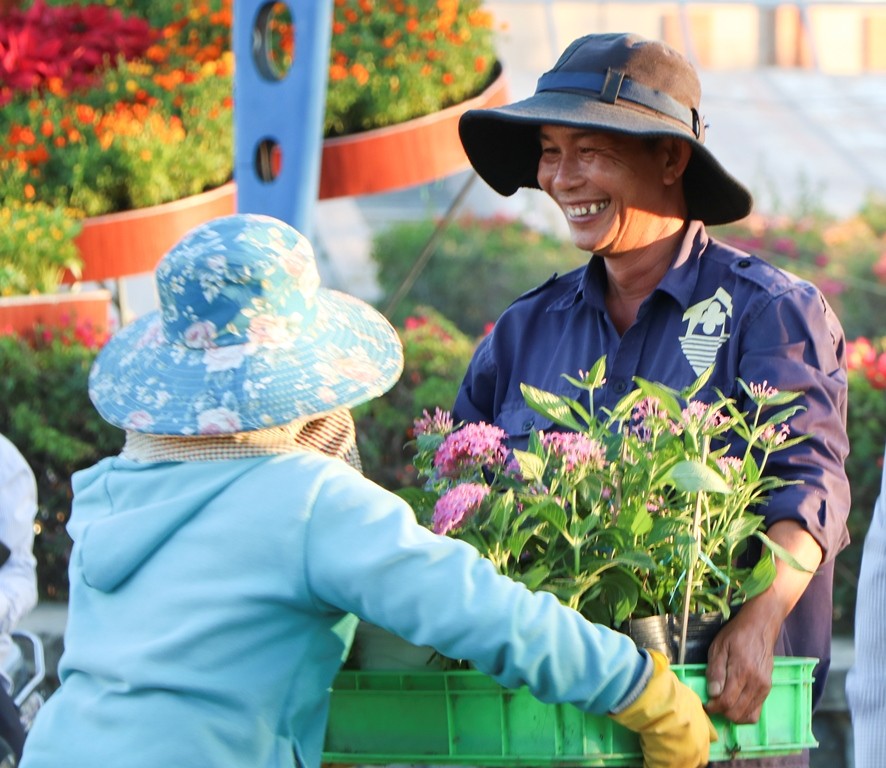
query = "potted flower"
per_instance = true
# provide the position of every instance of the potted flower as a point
(644, 512)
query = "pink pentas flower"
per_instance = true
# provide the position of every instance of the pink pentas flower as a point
(575, 449)
(457, 505)
(470, 448)
(644, 417)
(702, 413)
(438, 424)
(730, 466)
(776, 437)
(763, 391)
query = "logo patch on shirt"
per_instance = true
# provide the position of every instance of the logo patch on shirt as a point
(707, 328)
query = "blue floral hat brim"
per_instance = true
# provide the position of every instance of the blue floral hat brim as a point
(348, 355)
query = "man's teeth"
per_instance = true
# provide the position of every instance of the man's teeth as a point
(575, 211)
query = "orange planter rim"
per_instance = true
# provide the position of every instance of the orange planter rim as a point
(413, 152)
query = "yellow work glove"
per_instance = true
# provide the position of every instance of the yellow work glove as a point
(674, 729)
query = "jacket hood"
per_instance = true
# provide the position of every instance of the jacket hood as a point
(125, 511)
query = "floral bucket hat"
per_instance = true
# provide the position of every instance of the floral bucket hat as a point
(245, 338)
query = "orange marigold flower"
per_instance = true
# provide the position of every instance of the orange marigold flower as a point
(337, 72)
(351, 15)
(157, 54)
(46, 128)
(145, 155)
(480, 64)
(337, 27)
(360, 74)
(30, 192)
(26, 136)
(366, 6)
(55, 85)
(448, 78)
(411, 25)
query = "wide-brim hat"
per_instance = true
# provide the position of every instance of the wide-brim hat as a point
(245, 338)
(609, 82)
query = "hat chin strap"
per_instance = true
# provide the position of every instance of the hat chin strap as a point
(613, 85)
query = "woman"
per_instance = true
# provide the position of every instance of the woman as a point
(221, 561)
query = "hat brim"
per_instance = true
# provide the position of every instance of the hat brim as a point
(503, 147)
(350, 354)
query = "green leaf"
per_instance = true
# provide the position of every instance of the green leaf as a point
(782, 554)
(551, 406)
(593, 379)
(550, 512)
(665, 395)
(532, 467)
(516, 542)
(761, 578)
(693, 389)
(691, 476)
(535, 576)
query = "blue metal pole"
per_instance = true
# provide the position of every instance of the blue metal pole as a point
(280, 116)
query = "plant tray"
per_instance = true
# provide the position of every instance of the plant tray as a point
(466, 718)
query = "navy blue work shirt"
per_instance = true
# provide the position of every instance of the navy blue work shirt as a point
(716, 305)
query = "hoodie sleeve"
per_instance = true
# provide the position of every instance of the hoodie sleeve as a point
(367, 555)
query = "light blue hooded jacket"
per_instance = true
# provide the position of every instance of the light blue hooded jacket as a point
(212, 604)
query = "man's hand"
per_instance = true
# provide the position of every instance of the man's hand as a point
(740, 662)
(741, 658)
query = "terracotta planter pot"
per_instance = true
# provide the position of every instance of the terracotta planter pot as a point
(128, 243)
(20, 314)
(132, 242)
(402, 155)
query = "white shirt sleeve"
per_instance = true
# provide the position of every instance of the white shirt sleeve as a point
(18, 509)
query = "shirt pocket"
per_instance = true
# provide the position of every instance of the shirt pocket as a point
(519, 422)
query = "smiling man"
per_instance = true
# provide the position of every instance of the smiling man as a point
(615, 136)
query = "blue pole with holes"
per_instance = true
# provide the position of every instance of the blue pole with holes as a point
(278, 115)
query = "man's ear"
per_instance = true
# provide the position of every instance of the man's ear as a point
(676, 153)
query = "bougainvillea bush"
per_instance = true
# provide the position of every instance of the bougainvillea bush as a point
(436, 354)
(119, 104)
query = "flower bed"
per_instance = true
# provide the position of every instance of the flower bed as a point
(123, 104)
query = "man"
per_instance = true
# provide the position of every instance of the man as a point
(614, 135)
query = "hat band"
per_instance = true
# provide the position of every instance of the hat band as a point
(613, 85)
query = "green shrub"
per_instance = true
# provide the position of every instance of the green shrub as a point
(436, 355)
(47, 414)
(478, 267)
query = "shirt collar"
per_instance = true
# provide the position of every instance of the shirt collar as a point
(679, 281)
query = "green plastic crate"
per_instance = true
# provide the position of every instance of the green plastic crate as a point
(466, 718)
